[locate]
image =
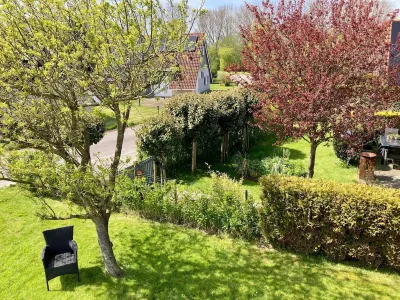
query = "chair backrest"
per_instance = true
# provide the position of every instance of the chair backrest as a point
(58, 239)
(391, 130)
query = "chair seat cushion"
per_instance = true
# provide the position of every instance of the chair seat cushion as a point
(60, 260)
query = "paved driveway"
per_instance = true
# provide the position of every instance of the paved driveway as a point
(106, 147)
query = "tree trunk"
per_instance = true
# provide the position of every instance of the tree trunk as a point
(311, 163)
(227, 146)
(154, 172)
(223, 149)
(244, 142)
(106, 247)
(194, 150)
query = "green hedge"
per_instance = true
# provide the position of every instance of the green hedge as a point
(342, 221)
(221, 209)
(204, 118)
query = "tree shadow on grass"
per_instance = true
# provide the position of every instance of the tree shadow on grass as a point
(171, 262)
(163, 261)
(265, 147)
(88, 276)
(184, 265)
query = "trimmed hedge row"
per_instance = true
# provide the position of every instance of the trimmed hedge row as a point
(342, 221)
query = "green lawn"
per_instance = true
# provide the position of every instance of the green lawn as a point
(170, 262)
(327, 165)
(219, 87)
(139, 113)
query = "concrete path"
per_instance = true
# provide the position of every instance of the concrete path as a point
(106, 147)
(387, 176)
(153, 102)
(5, 183)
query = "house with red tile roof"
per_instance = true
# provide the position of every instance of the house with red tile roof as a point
(195, 73)
(394, 40)
(394, 55)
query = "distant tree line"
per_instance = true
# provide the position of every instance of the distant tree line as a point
(222, 29)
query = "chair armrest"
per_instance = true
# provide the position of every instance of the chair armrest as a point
(45, 252)
(74, 246)
(45, 255)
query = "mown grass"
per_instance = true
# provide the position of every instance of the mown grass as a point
(168, 262)
(139, 114)
(327, 165)
(216, 86)
(164, 261)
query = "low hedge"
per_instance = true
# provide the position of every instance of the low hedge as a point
(220, 209)
(342, 221)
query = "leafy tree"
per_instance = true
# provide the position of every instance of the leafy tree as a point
(57, 60)
(228, 57)
(222, 28)
(214, 60)
(323, 69)
(230, 52)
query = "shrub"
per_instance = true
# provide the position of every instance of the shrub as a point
(161, 137)
(342, 221)
(207, 119)
(221, 209)
(225, 80)
(254, 168)
(344, 152)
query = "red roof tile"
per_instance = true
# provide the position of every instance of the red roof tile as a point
(189, 63)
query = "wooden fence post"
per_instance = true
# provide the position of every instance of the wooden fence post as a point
(246, 195)
(155, 172)
(194, 150)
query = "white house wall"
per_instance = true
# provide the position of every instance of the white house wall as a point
(163, 90)
(203, 76)
(203, 81)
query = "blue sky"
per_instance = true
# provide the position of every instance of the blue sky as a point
(396, 3)
(215, 3)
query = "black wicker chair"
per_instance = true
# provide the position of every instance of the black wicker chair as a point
(60, 255)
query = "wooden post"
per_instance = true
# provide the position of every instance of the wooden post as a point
(194, 146)
(244, 142)
(246, 195)
(155, 172)
(158, 109)
(247, 137)
(367, 168)
(227, 146)
(164, 175)
(223, 149)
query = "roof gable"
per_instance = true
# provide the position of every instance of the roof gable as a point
(190, 63)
